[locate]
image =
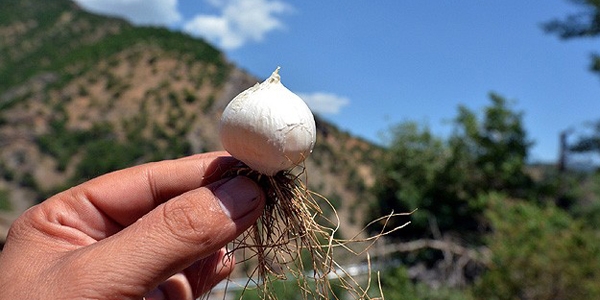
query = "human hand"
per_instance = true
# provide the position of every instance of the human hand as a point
(155, 230)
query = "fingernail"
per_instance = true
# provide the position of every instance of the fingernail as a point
(238, 196)
(155, 294)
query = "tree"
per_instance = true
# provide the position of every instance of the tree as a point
(407, 173)
(444, 179)
(588, 143)
(583, 24)
(497, 146)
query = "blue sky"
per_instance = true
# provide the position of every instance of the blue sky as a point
(368, 65)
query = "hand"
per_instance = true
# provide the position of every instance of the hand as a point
(155, 230)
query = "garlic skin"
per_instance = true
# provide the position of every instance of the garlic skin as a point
(268, 127)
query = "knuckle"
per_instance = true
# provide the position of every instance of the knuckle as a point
(30, 222)
(191, 223)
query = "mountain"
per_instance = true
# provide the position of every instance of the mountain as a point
(82, 95)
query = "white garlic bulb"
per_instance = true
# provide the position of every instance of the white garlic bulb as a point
(268, 127)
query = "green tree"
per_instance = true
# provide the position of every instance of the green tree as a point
(588, 143)
(583, 24)
(443, 179)
(407, 174)
(497, 147)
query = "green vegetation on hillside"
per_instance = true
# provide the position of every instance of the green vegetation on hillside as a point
(57, 37)
(5, 204)
(16, 11)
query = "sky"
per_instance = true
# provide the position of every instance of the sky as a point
(369, 65)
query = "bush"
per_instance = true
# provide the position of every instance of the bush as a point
(63, 143)
(397, 285)
(106, 155)
(288, 290)
(5, 204)
(539, 253)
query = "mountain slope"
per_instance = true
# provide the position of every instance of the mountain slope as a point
(82, 95)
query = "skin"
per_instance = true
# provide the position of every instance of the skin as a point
(156, 231)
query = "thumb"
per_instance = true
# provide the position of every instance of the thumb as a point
(175, 234)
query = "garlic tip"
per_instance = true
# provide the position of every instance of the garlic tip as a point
(274, 78)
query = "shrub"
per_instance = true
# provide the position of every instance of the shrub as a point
(539, 253)
(5, 204)
(396, 284)
(106, 155)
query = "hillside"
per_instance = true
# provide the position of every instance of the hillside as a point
(82, 95)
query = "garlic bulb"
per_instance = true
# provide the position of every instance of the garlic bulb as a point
(268, 127)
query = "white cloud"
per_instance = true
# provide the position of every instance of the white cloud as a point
(324, 103)
(141, 12)
(239, 21)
